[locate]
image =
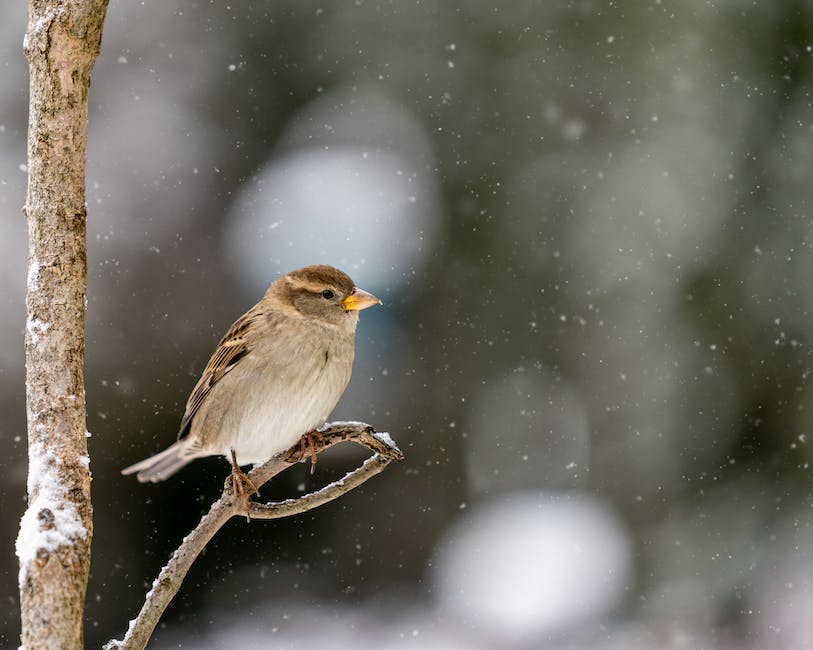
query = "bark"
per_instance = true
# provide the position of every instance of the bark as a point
(61, 44)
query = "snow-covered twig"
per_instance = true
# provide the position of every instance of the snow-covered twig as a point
(169, 580)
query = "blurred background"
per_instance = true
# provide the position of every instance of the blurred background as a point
(590, 225)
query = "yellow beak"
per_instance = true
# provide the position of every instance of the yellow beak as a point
(359, 300)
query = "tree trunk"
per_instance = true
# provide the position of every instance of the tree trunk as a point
(61, 44)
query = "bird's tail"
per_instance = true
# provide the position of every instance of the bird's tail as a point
(163, 465)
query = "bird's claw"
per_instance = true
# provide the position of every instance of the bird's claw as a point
(242, 485)
(308, 443)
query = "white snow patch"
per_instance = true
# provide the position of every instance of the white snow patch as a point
(51, 520)
(385, 437)
(340, 423)
(32, 281)
(33, 278)
(35, 327)
(42, 21)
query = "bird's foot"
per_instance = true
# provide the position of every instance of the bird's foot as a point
(242, 485)
(308, 443)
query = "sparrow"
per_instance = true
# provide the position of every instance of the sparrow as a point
(275, 376)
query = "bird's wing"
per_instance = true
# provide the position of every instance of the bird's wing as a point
(233, 347)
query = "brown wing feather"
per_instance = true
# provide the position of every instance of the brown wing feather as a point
(232, 347)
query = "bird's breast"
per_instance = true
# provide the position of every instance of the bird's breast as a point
(280, 394)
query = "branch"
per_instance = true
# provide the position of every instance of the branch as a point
(227, 506)
(61, 43)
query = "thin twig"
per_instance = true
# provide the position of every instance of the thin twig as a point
(169, 580)
(278, 509)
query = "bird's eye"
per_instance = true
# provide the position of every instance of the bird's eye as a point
(327, 294)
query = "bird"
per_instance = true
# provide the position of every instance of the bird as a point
(274, 377)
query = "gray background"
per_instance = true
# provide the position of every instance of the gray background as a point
(590, 226)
